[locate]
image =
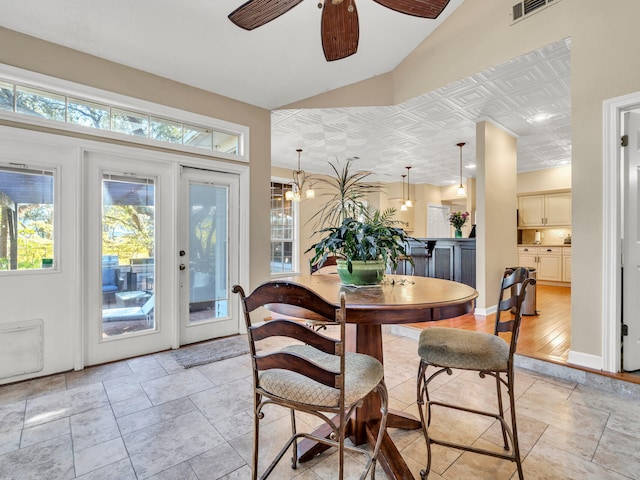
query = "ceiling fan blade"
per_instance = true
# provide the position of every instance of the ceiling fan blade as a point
(256, 13)
(417, 8)
(340, 29)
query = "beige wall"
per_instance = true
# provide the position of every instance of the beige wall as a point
(496, 153)
(26, 52)
(479, 35)
(558, 178)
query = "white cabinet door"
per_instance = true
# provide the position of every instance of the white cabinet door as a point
(566, 264)
(531, 211)
(550, 264)
(557, 209)
(527, 260)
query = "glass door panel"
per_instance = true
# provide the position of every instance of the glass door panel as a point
(208, 237)
(208, 260)
(128, 251)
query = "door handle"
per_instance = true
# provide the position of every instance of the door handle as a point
(182, 266)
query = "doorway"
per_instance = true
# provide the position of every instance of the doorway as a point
(618, 191)
(208, 253)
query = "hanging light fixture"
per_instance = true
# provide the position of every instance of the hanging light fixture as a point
(403, 207)
(461, 190)
(408, 203)
(299, 177)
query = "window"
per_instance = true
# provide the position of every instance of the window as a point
(284, 231)
(26, 218)
(60, 107)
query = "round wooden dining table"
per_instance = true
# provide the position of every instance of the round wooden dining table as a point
(399, 299)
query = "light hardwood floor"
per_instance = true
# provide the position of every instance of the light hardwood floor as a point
(545, 336)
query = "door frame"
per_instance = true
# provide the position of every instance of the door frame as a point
(187, 332)
(172, 276)
(612, 178)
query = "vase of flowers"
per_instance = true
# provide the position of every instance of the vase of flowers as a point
(457, 220)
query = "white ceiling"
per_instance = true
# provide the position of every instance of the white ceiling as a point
(282, 62)
(423, 132)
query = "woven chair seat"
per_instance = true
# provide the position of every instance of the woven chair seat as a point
(463, 349)
(362, 374)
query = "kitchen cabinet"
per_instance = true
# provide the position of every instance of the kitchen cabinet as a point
(548, 210)
(566, 264)
(547, 260)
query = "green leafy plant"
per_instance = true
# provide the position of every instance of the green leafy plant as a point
(377, 237)
(343, 195)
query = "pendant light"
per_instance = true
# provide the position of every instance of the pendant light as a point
(299, 177)
(403, 207)
(461, 190)
(408, 203)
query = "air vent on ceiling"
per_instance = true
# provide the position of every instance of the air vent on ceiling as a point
(527, 7)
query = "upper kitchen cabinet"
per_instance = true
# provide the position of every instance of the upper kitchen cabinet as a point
(546, 210)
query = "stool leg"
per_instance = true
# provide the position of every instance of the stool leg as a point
(422, 396)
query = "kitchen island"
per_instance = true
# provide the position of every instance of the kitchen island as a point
(447, 258)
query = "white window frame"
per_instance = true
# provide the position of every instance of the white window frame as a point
(70, 89)
(295, 251)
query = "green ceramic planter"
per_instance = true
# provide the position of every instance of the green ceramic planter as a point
(363, 273)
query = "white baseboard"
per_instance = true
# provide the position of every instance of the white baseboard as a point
(585, 360)
(483, 312)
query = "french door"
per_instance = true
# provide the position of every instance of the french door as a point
(208, 254)
(130, 284)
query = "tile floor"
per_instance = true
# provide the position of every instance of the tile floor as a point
(147, 418)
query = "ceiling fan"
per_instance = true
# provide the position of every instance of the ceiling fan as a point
(339, 27)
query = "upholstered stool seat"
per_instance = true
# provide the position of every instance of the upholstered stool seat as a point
(463, 349)
(362, 374)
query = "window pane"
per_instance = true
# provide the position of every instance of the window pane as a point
(282, 230)
(88, 114)
(128, 251)
(166, 130)
(26, 219)
(40, 103)
(131, 123)
(6, 96)
(225, 142)
(198, 137)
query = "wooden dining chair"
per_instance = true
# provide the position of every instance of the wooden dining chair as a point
(316, 376)
(488, 354)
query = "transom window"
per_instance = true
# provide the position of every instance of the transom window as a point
(59, 107)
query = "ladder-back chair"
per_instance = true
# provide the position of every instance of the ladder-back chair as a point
(488, 354)
(316, 376)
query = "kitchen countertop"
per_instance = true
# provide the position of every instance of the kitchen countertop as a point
(544, 245)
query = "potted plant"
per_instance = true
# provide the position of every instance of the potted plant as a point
(366, 246)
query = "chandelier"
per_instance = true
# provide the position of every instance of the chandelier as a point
(299, 177)
(461, 191)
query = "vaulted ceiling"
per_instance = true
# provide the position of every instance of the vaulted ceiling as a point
(282, 62)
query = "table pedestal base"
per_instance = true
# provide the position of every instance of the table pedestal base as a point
(389, 457)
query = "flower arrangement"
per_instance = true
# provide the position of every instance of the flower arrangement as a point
(458, 219)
